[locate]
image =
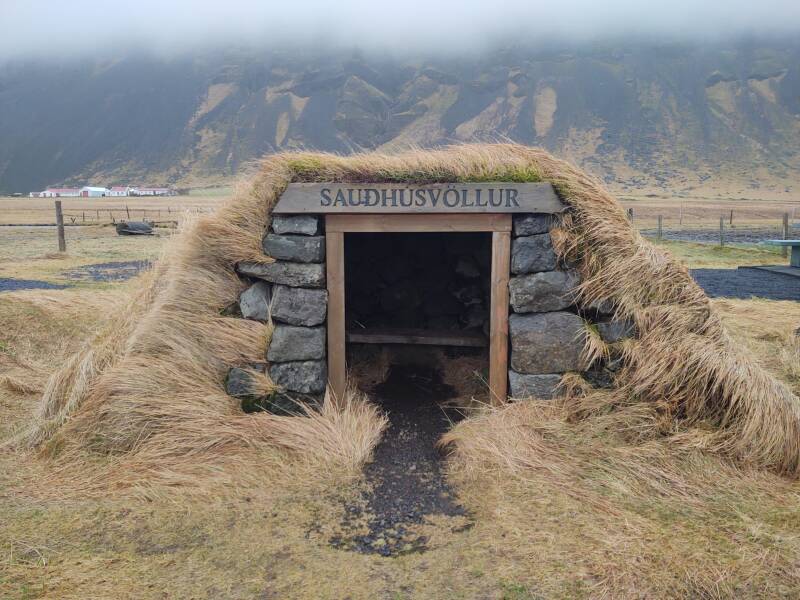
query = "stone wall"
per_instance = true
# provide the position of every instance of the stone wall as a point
(291, 291)
(546, 326)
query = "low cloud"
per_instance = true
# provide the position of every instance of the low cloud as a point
(55, 29)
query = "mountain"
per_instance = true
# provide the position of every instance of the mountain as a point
(643, 116)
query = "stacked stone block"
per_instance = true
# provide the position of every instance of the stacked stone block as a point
(291, 293)
(546, 328)
(297, 351)
(546, 340)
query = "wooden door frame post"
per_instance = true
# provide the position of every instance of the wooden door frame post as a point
(498, 317)
(334, 261)
(499, 225)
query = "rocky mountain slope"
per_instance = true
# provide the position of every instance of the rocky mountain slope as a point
(642, 116)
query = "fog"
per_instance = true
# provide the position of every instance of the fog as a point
(57, 29)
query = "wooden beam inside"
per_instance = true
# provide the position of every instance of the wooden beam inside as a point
(498, 317)
(337, 367)
(417, 223)
(417, 337)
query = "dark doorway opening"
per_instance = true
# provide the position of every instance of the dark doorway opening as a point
(425, 282)
(419, 298)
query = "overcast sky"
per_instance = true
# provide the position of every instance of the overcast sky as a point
(57, 28)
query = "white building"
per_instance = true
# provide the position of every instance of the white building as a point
(153, 192)
(119, 191)
(94, 192)
(58, 193)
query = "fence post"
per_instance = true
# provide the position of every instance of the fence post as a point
(83, 217)
(127, 211)
(680, 216)
(785, 249)
(660, 230)
(62, 241)
(722, 231)
(731, 219)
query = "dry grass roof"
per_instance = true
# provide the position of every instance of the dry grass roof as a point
(149, 388)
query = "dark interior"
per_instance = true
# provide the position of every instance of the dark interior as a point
(424, 282)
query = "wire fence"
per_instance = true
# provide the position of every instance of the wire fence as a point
(690, 223)
(715, 222)
(748, 225)
(167, 216)
(706, 215)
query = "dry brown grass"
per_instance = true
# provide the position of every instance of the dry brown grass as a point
(625, 518)
(563, 507)
(705, 527)
(469, 376)
(149, 387)
(767, 328)
(694, 212)
(626, 514)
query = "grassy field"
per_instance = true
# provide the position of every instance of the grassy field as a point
(31, 252)
(705, 256)
(696, 213)
(93, 211)
(591, 517)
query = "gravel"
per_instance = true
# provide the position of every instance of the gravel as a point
(747, 283)
(405, 478)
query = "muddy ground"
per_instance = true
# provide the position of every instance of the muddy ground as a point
(100, 272)
(8, 284)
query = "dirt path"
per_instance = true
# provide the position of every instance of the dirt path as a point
(405, 478)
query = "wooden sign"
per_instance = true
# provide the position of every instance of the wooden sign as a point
(500, 197)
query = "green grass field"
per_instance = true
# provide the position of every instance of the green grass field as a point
(703, 256)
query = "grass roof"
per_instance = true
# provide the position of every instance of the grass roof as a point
(149, 387)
